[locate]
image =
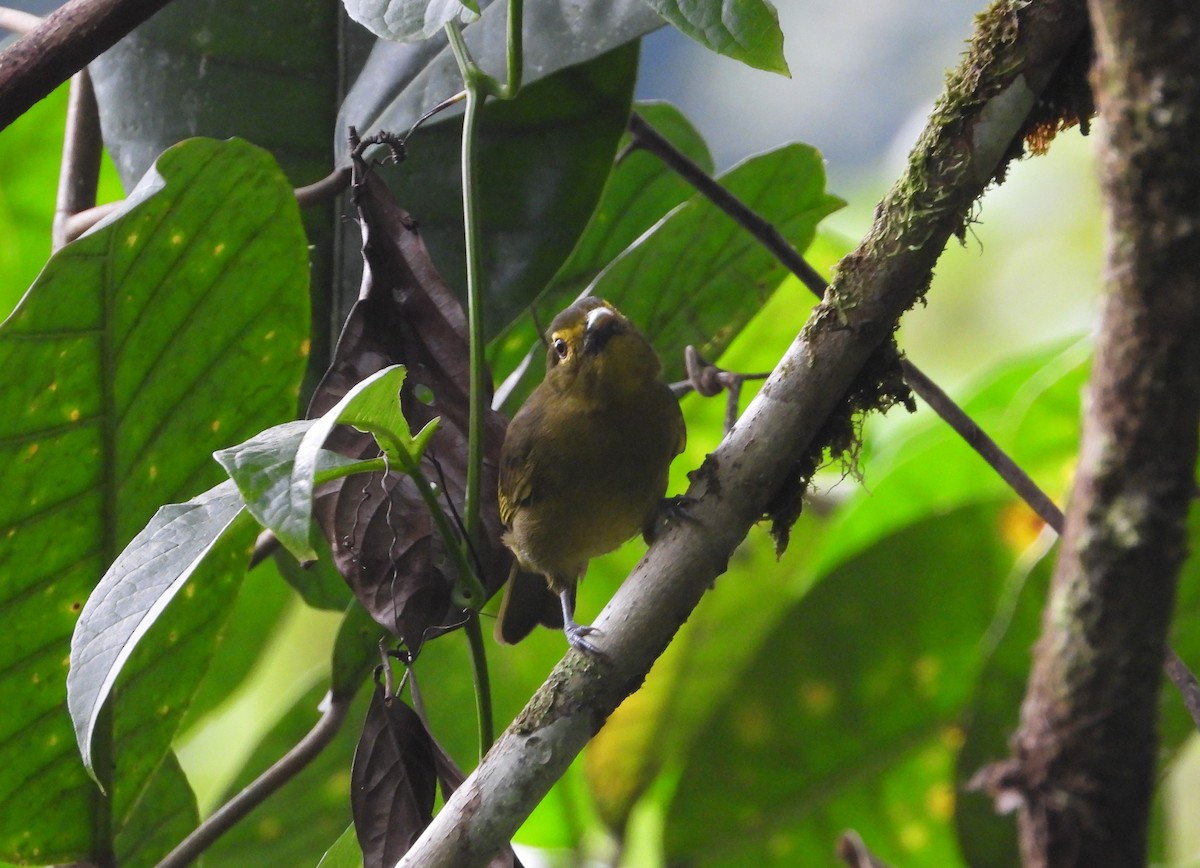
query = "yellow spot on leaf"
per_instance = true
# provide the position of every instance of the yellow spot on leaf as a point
(173, 636)
(940, 801)
(152, 471)
(219, 249)
(37, 679)
(74, 414)
(914, 836)
(304, 347)
(269, 829)
(131, 239)
(216, 425)
(1019, 527)
(819, 698)
(266, 360)
(269, 336)
(752, 724)
(189, 591)
(53, 387)
(953, 737)
(32, 450)
(164, 710)
(925, 672)
(177, 238)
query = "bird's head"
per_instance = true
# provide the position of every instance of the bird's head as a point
(593, 344)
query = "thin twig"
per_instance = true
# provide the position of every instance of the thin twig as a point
(1185, 682)
(852, 850)
(66, 41)
(292, 763)
(17, 21)
(326, 189)
(79, 175)
(77, 224)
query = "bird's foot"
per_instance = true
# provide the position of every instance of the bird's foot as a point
(671, 510)
(577, 638)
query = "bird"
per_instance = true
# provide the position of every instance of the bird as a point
(584, 465)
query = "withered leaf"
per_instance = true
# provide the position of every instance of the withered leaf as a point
(383, 540)
(392, 781)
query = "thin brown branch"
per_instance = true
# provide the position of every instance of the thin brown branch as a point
(1186, 683)
(290, 765)
(79, 174)
(1013, 56)
(64, 42)
(853, 851)
(326, 189)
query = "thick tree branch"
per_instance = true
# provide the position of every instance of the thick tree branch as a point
(64, 42)
(1085, 753)
(1013, 56)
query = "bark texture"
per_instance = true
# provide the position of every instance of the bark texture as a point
(1084, 756)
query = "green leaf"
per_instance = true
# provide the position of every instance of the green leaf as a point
(345, 852)
(262, 469)
(698, 277)
(374, 406)
(270, 75)
(135, 591)
(746, 30)
(176, 326)
(409, 20)
(859, 730)
(162, 816)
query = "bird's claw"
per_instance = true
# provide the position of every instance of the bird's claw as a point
(577, 638)
(670, 510)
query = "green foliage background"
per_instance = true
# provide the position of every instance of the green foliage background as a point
(855, 682)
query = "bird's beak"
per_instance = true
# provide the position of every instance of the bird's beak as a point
(601, 324)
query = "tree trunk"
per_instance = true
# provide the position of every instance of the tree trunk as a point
(1085, 753)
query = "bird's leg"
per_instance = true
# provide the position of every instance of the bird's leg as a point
(577, 633)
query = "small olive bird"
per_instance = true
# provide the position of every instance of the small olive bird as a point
(584, 464)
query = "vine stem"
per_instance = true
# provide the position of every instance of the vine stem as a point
(290, 765)
(477, 86)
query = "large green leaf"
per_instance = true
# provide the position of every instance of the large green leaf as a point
(176, 327)
(746, 30)
(848, 717)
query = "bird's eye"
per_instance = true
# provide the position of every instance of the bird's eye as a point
(560, 348)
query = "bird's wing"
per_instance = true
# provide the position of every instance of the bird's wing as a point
(516, 470)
